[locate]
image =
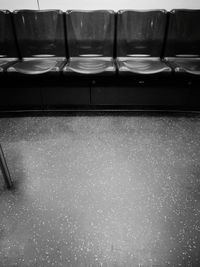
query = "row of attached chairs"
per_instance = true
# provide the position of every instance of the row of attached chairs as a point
(100, 42)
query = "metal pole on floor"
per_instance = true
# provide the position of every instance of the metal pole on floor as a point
(5, 170)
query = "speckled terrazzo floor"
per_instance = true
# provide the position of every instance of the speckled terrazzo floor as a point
(110, 191)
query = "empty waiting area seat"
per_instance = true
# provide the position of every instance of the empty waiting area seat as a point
(140, 40)
(8, 48)
(41, 38)
(90, 38)
(183, 41)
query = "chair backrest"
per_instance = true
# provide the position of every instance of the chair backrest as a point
(8, 46)
(183, 36)
(141, 32)
(90, 32)
(40, 32)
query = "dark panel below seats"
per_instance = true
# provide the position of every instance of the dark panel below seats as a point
(20, 98)
(141, 96)
(61, 96)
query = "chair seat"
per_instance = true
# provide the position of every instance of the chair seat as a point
(35, 66)
(4, 63)
(143, 66)
(186, 65)
(90, 65)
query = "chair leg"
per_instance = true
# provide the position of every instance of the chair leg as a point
(5, 170)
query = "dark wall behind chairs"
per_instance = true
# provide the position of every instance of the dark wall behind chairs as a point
(96, 4)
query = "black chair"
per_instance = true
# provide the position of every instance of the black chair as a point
(41, 39)
(8, 48)
(90, 38)
(183, 42)
(140, 39)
